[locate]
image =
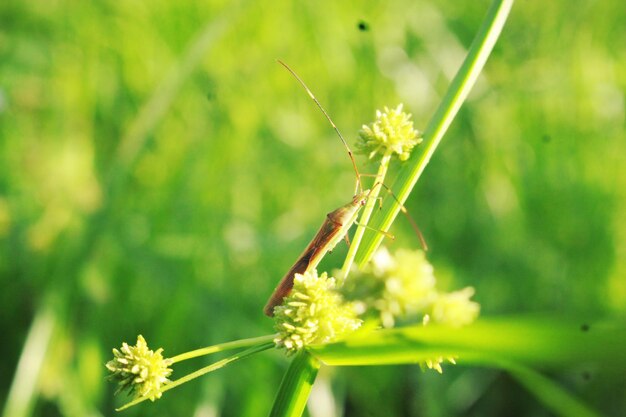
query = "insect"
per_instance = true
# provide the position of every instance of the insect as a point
(335, 227)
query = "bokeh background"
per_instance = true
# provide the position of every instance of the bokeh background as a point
(159, 172)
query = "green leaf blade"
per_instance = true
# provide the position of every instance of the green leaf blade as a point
(444, 115)
(533, 341)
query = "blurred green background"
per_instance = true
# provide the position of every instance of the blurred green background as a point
(159, 172)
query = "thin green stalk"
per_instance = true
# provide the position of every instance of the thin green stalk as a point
(222, 347)
(296, 386)
(210, 368)
(365, 216)
(455, 96)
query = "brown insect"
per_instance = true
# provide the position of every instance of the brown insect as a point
(334, 229)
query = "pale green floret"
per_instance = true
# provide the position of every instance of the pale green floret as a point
(139, 370)
(402, 287)
(435, 363)
(408, 284)
(391, 133)
(313, 313)
(455, 308)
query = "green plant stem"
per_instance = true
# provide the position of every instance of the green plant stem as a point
(222, 347)
(210, 368)
(296, 386)
(455, 96)
(365, 216)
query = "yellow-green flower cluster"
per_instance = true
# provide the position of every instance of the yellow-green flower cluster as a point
(313, 313)
(409, 284)
(139, 370)
(455, 308)
(402, 286)
(395, 287)
(391, 133)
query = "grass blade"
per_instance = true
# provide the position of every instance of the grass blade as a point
(455, 96)
(540, 342)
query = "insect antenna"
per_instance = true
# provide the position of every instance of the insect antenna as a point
(358, 186)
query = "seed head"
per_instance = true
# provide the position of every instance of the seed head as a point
(455, 308)
(313, 313)
(391, 133)
(139, 370)
(397, 286)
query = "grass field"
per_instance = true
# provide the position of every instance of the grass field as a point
(159, 173)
